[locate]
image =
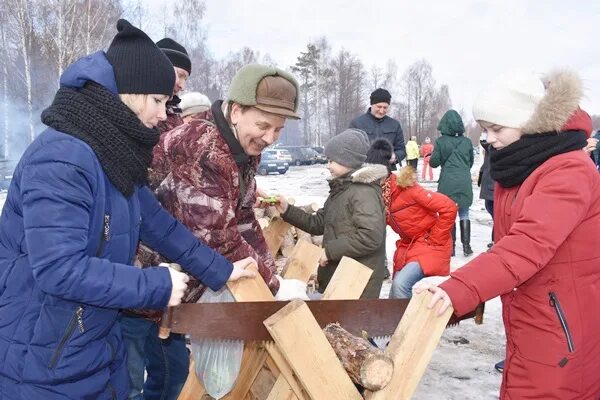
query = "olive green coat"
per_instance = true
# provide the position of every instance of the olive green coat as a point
(352, 223)
(454, 153)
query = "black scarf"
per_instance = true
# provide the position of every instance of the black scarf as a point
(98, 117)
(511, 165)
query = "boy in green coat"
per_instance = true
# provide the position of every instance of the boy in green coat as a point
(352, 221)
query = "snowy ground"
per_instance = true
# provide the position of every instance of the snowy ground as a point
(462, 366)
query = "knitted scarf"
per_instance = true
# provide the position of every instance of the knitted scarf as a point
(511, 165)
(99, 118)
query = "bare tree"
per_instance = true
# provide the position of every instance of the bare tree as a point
(4, 59)
(21, 17)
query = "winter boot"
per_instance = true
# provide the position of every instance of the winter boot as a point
(453, 232)
(499, 366)
(490, 244)
(465, 236)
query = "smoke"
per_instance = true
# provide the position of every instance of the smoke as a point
(14, 129)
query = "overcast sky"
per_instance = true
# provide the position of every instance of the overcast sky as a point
(466, 41)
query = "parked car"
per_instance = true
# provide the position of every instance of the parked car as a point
(7, 168)
(301, 155)
(321, 159)
(269, 163)
(279, 154)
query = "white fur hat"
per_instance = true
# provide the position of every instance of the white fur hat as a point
(510, 100)
(193, 103)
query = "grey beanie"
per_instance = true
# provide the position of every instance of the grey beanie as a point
(348, 148)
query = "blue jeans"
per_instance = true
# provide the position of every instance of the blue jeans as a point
(165, 361)
(405, 279)
(463, 213)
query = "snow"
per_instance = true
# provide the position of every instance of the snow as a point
(462, 367)
(2, 198)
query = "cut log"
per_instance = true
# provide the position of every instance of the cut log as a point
(259, 213)
(287, 246)
(263, 222)
(366, 365)
(302, 236)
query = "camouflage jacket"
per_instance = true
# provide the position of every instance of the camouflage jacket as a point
(195, 177)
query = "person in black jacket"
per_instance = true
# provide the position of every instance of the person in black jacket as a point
(377, 124)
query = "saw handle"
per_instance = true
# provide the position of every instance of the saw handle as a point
(164, 330)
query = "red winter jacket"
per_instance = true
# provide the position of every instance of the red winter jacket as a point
(546, 266)
(423, 219)
(426, 151)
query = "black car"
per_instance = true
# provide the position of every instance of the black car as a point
(7, 168)
(270, 163)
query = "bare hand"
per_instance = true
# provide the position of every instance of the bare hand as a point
(241, 269)
(438, 294)
(323, 261)
(282, 204)
(393, 159)
(260, 194)
(591, 145)
(178, 286)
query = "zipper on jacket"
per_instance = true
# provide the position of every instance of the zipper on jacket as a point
(563, 321)
(113, 392)
(105, 236)
(76, 321)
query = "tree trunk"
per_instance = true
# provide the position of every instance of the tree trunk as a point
(366, 365)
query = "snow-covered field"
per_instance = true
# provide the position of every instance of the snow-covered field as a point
(462, 366)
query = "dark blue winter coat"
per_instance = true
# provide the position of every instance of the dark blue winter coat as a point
(385, 127)
(67, 241)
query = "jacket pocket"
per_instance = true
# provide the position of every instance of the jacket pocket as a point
(76, 321)
(562, 319)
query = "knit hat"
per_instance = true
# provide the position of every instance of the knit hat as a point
(380, 152)
(509, 100)
(176, 53)
(348, 148)
(381, 96)
(267, 88)
(139, 65)
(193, 103)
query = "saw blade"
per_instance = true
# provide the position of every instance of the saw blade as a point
(244, 320)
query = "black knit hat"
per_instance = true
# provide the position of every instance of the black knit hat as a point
(176, 53)
(381, 96)
(140, 67)
(380, 152)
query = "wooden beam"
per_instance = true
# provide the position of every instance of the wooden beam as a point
(274, 234)
(348, 281)
(303, 261)
(250, 289)
(412, 346)
(285, 369)
(252, 362)
(308, 352)
(281, 390)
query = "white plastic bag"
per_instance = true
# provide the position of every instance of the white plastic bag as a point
(217, 361)
(291, 289)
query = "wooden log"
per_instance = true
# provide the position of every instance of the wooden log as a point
(412, 346)
(302, 236)
(263, 222)
(259, 213)
(306, 349)
(366, 365)
(288, 243)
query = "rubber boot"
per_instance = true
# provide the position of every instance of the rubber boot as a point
(465, 236)
(453, 232)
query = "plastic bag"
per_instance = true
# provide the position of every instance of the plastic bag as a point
(290, 289)
(217, 361)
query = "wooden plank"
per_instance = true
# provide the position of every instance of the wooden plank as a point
(274, 234)
(303, 261)
(412, 346)
(281, 390)
(250, 289)
(252, 362)
(307, 350)
(285, 370)
(193, 389)
(348, 281)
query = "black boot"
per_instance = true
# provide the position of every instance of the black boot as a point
(465, 236)
(453, 232)
(490, 244)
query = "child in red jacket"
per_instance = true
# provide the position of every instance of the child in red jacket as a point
(423, 219)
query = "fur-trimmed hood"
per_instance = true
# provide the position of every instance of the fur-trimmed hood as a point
(369, 173)
(564, 91)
